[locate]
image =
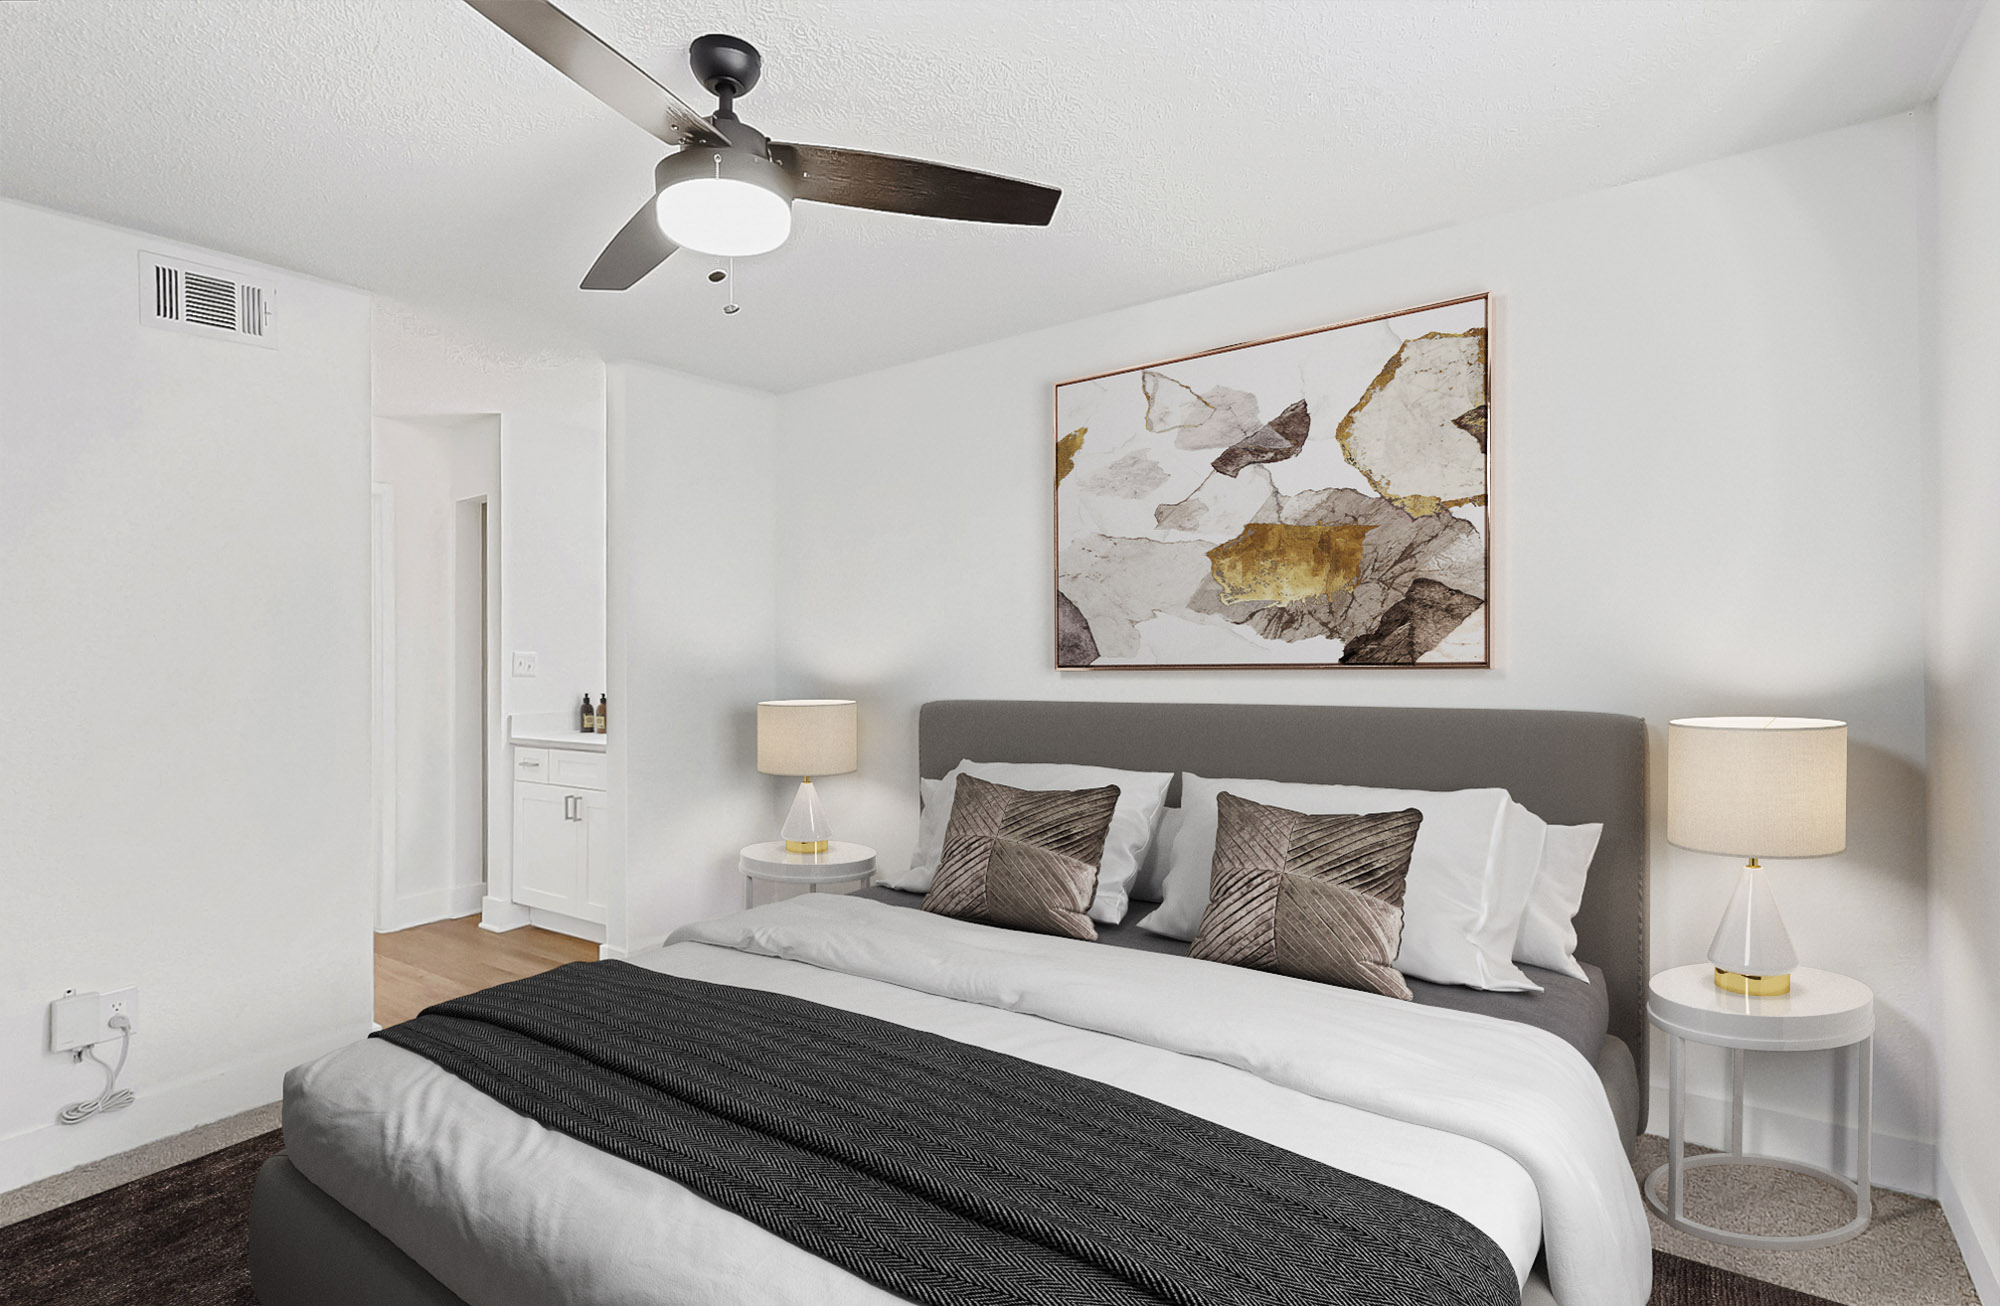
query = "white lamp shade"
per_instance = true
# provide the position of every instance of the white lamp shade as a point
(806, 736)
(1757, 786)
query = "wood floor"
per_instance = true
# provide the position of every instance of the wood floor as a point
(448, 959)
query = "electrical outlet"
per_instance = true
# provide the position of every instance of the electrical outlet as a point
(119, 1002)
(524, 663)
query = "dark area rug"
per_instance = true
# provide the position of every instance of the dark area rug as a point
(181, 1238)
(1678, 1281)
(177, 1238)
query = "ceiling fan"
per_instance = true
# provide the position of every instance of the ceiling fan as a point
(729, 189)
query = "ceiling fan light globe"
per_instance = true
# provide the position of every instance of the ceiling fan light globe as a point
(724, 217)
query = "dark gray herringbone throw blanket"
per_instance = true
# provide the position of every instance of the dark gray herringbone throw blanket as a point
(940, 1171)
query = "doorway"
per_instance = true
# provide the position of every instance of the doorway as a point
(434, 564)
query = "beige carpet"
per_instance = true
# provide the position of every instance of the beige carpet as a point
(1907, 1257)
(99, 1176)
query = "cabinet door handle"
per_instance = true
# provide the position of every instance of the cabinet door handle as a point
(569, 807)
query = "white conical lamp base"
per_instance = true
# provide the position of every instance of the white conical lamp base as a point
(806, 830)
(1752, 945)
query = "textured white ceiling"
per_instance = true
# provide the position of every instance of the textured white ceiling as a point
(408, 147)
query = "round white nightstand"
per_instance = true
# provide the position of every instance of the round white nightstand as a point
(839, 864)
(1823, 1011)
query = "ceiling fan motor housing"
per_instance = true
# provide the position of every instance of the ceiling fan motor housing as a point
(731, 163)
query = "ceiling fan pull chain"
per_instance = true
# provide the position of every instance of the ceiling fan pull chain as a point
(732, 306)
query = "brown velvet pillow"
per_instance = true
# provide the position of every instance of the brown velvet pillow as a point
(1023, 857)
(1319, 897)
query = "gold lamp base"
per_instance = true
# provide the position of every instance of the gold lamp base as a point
(1754, 986)
(805, 846)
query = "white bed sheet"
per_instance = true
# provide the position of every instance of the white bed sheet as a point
(503, 1211)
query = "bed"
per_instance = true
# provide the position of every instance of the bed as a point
(404, 1186)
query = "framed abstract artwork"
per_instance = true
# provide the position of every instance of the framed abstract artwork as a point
(1316, 500)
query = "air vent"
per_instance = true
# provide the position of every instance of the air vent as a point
(204, 301)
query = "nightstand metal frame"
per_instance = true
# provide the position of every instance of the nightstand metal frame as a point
(1672, 1208)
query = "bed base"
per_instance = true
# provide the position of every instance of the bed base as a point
(308, 1250)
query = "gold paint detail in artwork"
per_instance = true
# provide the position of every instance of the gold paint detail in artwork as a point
(1280, 563)
(1067, 449)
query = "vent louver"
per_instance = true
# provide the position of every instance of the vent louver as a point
(204, 301)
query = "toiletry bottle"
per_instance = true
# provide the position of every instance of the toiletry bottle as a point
(586, 717)
(603, 703)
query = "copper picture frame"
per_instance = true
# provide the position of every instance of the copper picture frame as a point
(1315, 500)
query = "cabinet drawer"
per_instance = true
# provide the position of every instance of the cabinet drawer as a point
(532, 764)
(576, 770)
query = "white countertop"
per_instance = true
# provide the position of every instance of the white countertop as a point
(538, 731)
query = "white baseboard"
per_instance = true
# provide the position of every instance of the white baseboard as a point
(1904, 1164)
(606, 952)
(416, 909)
(1978, 1237)
(500, 915)
(556, 922)
(160, 1111)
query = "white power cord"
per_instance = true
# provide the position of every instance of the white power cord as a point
(109, 1100)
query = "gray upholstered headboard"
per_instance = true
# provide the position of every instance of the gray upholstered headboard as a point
(1568, 767)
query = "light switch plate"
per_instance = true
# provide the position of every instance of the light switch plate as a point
(524, 664)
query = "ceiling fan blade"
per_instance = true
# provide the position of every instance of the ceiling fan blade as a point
(860, 180)
(572, 50)
(638, 248)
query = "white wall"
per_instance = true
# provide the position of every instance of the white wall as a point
(184, 583)
(431, 465)
(691, 637)
(1708, 499)
(550, 402)
(1965, 654)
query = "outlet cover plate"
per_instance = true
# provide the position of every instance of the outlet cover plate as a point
(73, 1021)
(524, 663)
(118, 1002)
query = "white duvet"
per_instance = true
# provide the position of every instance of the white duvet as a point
(1503, 1124)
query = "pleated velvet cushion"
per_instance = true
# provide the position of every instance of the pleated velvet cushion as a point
(1023, 857)
(1319, 897)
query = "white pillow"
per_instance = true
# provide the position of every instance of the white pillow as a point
(1141, 797)
(1470, 874)
(1548, 926)
(1151, 886)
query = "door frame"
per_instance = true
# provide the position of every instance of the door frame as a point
(488, 676)
(382, 693)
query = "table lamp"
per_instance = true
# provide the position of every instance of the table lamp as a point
(806, 737)
(1756, 786)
